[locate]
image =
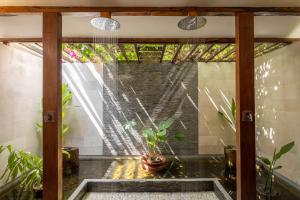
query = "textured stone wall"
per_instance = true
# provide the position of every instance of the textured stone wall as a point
(149, 93)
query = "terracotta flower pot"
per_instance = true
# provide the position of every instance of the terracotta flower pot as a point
(71, 164)
(230, 161)
(151, 165)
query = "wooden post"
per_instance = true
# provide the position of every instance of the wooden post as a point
(246, 173)
(52, 153)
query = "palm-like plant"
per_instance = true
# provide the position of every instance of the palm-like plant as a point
(24, 165)
(155, 137)
(66, 100)
(271, 165)
(230, 120)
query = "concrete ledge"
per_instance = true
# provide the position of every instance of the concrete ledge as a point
(150, 185)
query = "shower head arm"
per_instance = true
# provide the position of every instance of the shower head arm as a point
(105, 14)
(193, 13)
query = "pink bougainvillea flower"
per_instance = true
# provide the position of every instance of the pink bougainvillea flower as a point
(73, 54)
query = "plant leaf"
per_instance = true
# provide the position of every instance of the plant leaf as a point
(148, 133)
(10, 149)
(130, 124)
(165, 124)
(224, 116)
(66, 153)
(284, 149)
(179, 136)
(233, 109)
(65, 130)
(162, 135)
(1, 148)
(277, 167)
(264, 160)
(39, 127)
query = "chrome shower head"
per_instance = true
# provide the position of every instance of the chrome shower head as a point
(191, 23)
(105, 23)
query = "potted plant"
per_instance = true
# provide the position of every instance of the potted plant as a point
(230, 150)
(28, 167)
(152, 160)
(71, 154)
(266, 190)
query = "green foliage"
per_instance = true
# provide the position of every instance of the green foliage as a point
(170, 52)
(158, 136)
(66, 100)
(271, 164)
(24, 165)
(233, 114)
(283, 150)
(130, 52)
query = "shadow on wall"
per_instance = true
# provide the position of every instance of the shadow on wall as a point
(106, 97)
(216, 88)
(277, 106)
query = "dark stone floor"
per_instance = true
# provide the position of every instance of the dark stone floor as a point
(130, 168)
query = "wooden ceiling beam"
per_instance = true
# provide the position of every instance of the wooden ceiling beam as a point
(156, 11)
(153, 40)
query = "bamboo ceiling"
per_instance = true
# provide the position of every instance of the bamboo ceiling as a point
(135, 52)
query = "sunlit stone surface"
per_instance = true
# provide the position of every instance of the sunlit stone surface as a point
(153, 195)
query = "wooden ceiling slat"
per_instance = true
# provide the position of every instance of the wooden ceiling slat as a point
(121, 47)
(217, 53)
(137, 53)
(95, 52)
(162, 53)
(190, 53)
(199, 57)
(227, 55)
(268, 49)
(112, 55)
(176, 53)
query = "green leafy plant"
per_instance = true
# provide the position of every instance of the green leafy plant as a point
(271, 164)
(157, 136)
(24, 165)
(66, 100)
(230, 120)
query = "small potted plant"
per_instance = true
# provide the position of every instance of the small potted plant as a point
(152, 160)
(70, 154)
(28, 167)
(230, 150)
(266, 190)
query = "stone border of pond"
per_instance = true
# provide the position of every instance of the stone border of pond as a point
(150, 185)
